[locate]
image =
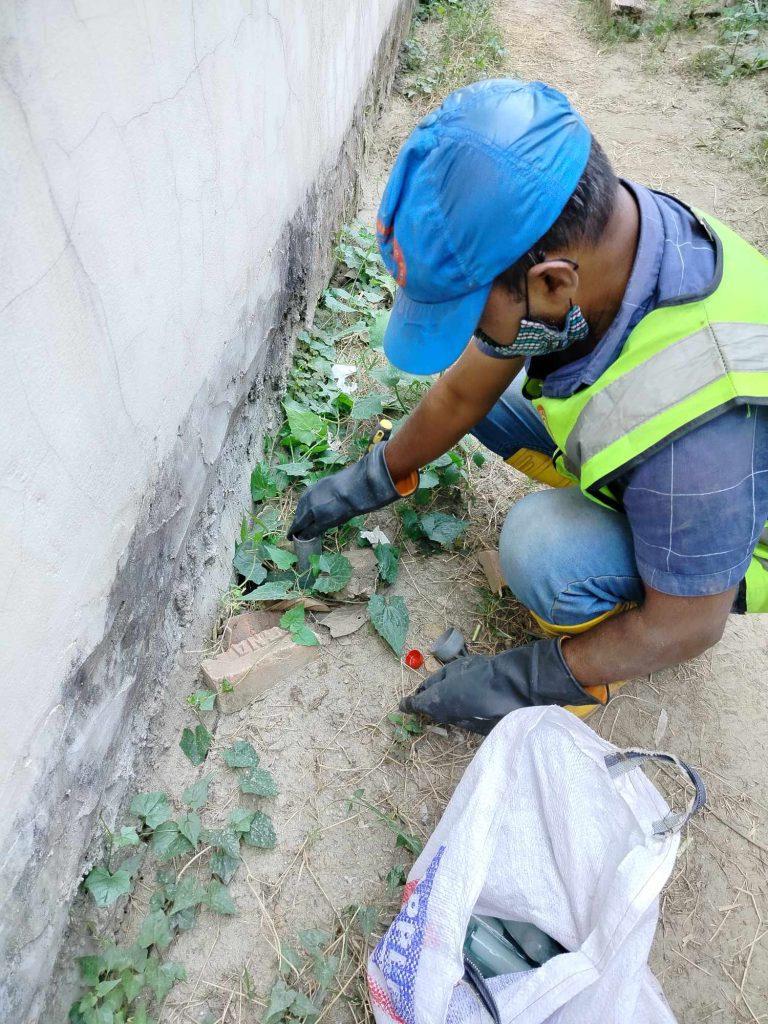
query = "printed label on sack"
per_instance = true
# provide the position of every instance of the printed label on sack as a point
(397, 955)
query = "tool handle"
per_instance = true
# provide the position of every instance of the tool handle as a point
(383, 432)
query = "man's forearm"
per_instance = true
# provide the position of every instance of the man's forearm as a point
(647, 639)
(451, 407)
(434, 426)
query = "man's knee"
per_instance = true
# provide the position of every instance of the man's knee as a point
(529, 547)
(568, 559)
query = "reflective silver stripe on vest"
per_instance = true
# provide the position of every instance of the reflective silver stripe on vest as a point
(764, 536)
(665, 378)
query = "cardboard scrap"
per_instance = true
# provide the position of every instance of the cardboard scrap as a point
(346, 620)
(365, 572)
(489, 563)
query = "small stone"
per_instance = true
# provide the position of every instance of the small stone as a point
(636, 10)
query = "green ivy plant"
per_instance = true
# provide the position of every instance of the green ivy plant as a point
(121, 982)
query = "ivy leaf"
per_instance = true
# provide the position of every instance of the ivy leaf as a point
(258, 782)
(91, 967)
(132, 983)
(389, 616)
(168, 842)
(106, 887)
(299, 467)
(290, 958)
(190, 827)
(127, 836)
(224, 866)
(196, 795)
(336, 572)
(154, 808)
(274, 591)
(196, 744)
(261, 832)
(217, 897)
(325, 970)
(241, 755)
(161, 977)
(305, 426)
(263, 485)
(240, 819)
(293, 620)
(442, 528)
(189, 893)
(279, 556)
(411, 523)
(377, 328)
(388, 557)
(428, 479)
(155, 931)
(312, 939)
(396, 877)
(368, 406)
(248, 560)
(280, 999)
(302, 1006)
(225, 840)
(203, 700)
(366, 919)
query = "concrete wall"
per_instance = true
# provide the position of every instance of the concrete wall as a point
(171, 174)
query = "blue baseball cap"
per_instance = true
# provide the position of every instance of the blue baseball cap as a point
(475, 185)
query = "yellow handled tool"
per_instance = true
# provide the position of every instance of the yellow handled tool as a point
(381, 433)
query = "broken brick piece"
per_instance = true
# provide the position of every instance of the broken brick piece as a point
(240, 627)
(489, 563)
(254, 665)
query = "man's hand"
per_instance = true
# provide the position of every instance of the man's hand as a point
(663, 631)
(362, 487)
(475, 693)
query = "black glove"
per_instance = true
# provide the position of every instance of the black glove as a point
(478, 691)
(362, 487)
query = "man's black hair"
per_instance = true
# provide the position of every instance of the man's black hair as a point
(582, 222)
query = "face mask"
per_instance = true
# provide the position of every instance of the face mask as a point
(538, 338)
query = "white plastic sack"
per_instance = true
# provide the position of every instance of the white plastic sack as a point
(551, 825)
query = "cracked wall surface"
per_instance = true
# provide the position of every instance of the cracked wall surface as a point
(170, 178)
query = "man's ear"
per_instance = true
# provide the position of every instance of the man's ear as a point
(552, 285)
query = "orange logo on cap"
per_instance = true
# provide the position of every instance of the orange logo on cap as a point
(397, 252)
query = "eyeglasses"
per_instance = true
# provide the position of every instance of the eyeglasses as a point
(536, 256)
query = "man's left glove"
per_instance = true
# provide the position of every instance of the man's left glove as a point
(362, 487)
(475, 693)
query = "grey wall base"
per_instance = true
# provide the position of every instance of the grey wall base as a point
(164, 598)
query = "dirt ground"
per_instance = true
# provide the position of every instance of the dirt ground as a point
(325, 734)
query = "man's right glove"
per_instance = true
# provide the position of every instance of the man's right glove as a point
(362, 487)
(476, 692)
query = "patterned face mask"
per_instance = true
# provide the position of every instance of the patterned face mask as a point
(538, 337)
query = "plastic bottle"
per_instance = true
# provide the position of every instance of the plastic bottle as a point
(536, 943)
(488, 949)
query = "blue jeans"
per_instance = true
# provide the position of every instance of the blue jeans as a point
(565, 557)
